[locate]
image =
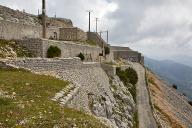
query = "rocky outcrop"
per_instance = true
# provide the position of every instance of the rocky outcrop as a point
(17, 16)
(10, 49)
(109, 101)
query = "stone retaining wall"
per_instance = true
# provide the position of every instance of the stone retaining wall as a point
(72, 34)
(109, 69)
(39, 48)
(42, 65)
(129, 55)
(89, 89)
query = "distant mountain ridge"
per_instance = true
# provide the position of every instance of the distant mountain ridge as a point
(173, 73)
(186, 60)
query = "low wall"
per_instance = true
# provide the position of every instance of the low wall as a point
(129, 55)
(42, 65)
(39, 48)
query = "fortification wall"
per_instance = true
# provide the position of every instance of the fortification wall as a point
(12, 30)
(119, 48)
(97, 38)
(109, 69)
(132, 56)
(39, 48)
(71, 49)
(42, 65)
(59, 22)
(72, 34)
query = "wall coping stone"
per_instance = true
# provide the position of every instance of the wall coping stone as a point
(70, 42)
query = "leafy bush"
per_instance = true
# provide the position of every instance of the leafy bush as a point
(81, 56)
(174, 86)
(53, 51)
(128, 76)
(132, 75)
(107, 50)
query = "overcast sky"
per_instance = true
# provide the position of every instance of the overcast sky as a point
(159, 29)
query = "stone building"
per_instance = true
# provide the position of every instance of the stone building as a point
(127, 54)
(17, 25)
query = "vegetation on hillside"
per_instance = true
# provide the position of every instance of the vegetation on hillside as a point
(174, 86)
(12, 49)
(25, 101)
(53, 51)
(107, 50)
(81, 56)
(130, 76)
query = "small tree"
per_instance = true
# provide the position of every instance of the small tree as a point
(53, 51)
(127, 76)
(107, 50)
(81, 56)
(132, 75)
(174, 86)
(190, 102)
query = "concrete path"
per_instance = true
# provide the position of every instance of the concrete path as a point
(146, 119)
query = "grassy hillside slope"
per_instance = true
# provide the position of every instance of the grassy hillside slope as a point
(174, 73)
(25, 101)
(171, 106)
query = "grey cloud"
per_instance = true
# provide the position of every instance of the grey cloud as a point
(159, 28)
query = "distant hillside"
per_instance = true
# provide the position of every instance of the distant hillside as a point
(186, 60)
(171, 107)
(174, 73)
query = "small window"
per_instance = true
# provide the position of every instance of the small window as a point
(55, 36)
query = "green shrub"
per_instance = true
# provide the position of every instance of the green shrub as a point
(174, 86)
(53, 51)
(81, 56)
(127, 76)
(107, 50)
(132, 75)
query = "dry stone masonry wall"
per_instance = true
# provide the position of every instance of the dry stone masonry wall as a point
(72, 34)
(90, 89)
(39, 48)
